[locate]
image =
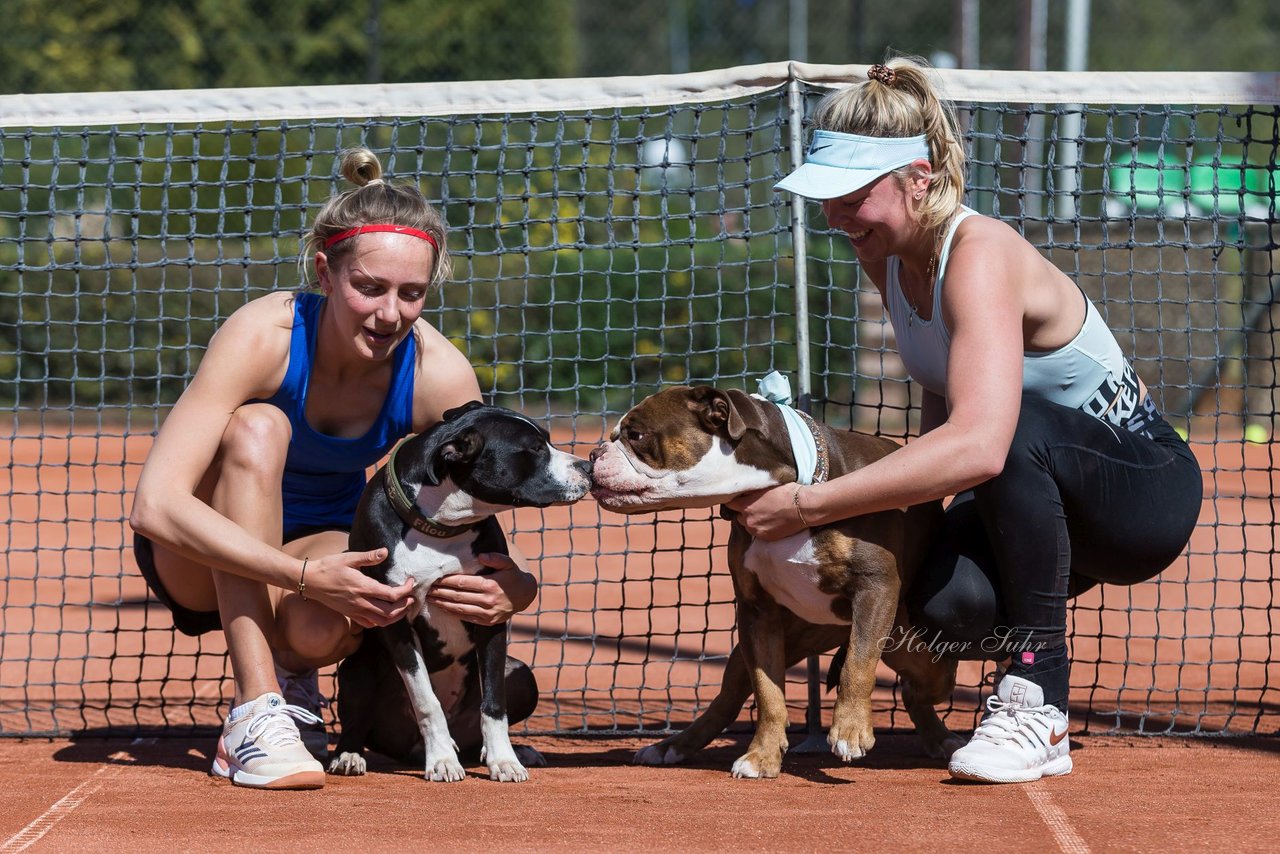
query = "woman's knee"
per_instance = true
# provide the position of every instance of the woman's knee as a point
(312, 632)
(956, 616)
(954, 600)
(256, 440)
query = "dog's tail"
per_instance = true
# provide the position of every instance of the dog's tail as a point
(837, 664)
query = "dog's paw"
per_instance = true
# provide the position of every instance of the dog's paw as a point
(508, 771)
(503, 764)
(848, 751)
(529, 757)
(444, 769)
(850, 744)
(348, 765)
(851, 735)
(661, 753)
(752, 766)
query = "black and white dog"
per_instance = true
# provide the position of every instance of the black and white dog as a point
(432, 507)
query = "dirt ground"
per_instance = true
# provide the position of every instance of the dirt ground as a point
(1126, 794)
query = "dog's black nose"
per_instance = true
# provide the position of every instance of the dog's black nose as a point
(585, 466)
(596, 453)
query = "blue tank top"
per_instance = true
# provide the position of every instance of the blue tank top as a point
(325, 475)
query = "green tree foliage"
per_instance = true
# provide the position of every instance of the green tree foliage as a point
(1148, 35)
(88, 45)
(71, 46)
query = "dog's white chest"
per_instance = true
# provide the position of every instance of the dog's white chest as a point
(788, 570)
(426, 560)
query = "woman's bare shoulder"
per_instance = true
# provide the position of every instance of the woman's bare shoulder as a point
(270, 310)
(983, 227)
(262, 327)
(445, 378)
(986, 234)
(259, 322)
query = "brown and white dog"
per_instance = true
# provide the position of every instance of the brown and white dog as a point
(830, 586)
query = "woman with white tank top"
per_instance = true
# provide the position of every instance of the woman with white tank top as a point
(1064, 473)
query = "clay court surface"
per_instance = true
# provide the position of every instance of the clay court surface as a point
(633, 619)
(1127, 794)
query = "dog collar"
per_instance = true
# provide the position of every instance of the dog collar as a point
(808, 444)
(409, 512)
(821, 468)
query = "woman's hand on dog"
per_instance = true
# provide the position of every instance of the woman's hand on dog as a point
(338, 582)
(768, 514)
(486, 599)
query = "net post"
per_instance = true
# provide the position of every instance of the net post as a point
(1073, 114)
(799, 248)
(813, 742)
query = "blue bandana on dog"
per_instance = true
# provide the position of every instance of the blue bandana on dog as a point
(811, 459)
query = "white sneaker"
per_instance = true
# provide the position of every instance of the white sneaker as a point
(303, 690)
(1019, 740)
(262, 750)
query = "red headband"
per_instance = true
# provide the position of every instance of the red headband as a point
(395, 229)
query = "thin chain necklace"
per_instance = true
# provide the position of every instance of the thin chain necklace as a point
(933, 269)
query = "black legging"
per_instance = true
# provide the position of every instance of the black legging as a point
(1079, 502)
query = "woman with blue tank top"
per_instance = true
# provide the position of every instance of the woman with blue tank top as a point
(243, 507)
(1064, 473)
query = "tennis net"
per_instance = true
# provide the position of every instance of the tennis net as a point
(612, 236)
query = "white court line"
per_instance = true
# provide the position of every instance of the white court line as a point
(32, 833)
(1063, 833)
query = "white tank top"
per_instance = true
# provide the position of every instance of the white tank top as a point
(1089, 372)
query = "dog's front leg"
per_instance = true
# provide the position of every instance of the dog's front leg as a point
(763, 643)
(497, 752)
(874, 601)
(442, 763)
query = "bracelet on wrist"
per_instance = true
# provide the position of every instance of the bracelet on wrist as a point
(795, 499)
(302, 580)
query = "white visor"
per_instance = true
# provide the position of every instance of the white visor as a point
(839, 163)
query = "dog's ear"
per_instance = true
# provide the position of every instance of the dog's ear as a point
(710, 406)
(451, 414)
(731, 410)
(462, 447)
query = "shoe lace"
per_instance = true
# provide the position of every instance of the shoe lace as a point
(1004, 720)
(276, 726)
(302, 689)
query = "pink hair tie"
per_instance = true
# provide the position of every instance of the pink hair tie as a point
(365, 229)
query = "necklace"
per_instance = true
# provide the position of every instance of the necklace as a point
(933, 268)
